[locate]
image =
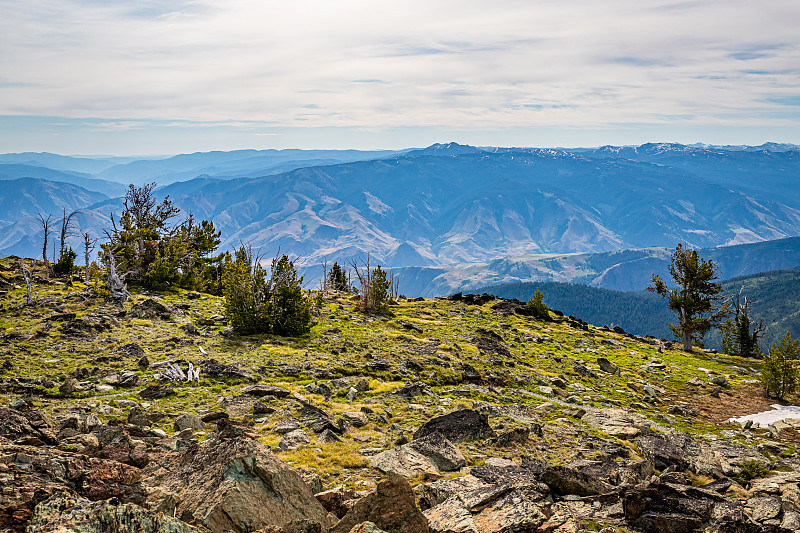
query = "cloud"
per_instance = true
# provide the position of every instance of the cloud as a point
(462, 65)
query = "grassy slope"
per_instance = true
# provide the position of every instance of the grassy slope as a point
(342, 344)
(774, 295)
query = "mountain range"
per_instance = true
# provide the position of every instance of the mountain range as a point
(448, 216)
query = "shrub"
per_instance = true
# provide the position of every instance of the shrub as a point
(337, 281)
(779, 374)
(752, 469)
(256, 302)
(65, 263)
(537, 304)
(379, 291)
(289, 308)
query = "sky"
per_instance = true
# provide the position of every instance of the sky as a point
(162, 77)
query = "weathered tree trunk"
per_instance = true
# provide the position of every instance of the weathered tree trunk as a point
(687, 339)
(116, 286)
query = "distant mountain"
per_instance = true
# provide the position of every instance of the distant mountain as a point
(10, 171)
(750, 170)
(26, 198)
(775, 296)
(233, 164)
(485, 215)
(469, 205)
(621, 270)
(84, 165)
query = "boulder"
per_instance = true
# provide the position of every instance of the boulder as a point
(285, 426)
(187, 421)
(64, 513)
(318, 420)
(433, 453)
(459, 426)
(259, 390)
(618, 422)
(366, 527)
(154, 392)
(293, 440)
(237, 406)
(356, 419)
(607, 366)
(563, 480)
(669, 449)
(391, 508)
(495, 509)
(337, 501)
(236, 485)
(29, 426)
(724, 458)
(437, 492)
(39, 472)
(149, 309)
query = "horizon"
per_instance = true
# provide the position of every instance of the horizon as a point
(154, 156)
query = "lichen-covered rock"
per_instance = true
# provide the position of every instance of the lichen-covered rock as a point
(433, 453)
(391, 508)
(618, 422)
(64, 513)
(459, 426)
(31, 474)
(234, 485)
(293, 439)
(29, 426)
(260, 390)
(669, 449)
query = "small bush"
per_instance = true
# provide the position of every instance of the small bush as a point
(539, 307)
(779, 374)
(258, 302)
(65, 264)
(752, 469)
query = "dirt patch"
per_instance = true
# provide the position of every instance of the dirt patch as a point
(741, 401)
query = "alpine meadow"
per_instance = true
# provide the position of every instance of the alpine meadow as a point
(515, 267)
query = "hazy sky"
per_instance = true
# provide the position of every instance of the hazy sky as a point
(168, 76)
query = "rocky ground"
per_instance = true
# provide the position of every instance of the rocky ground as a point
(457, 414)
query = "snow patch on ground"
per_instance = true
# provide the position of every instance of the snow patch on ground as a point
(767, 418)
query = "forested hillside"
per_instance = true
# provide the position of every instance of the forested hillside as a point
(775, 296)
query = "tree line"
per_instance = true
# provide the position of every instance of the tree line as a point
(150, 247)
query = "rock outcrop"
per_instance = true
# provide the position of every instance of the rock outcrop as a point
(232, 485)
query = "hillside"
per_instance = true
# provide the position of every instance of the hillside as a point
(622, 270)
(546, 425)
(774, 295)
(447, 205)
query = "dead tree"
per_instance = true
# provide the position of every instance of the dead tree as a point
(28, 280)
(364, 275)
(47, 226)
(88, 248)
(116, 284)
(66, 230)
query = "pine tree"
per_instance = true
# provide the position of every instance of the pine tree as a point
(779, 374)
(536, 302)
(696, 297)
(337, 281)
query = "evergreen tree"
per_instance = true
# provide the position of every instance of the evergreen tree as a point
(337, 281)
(379, 291)
(536, 302)
(257, 301)
(153, 252)
(740, 336)
(696, 297)
(290, 309)
(779, 375)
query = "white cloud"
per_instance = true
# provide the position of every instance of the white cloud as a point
(451, 64)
